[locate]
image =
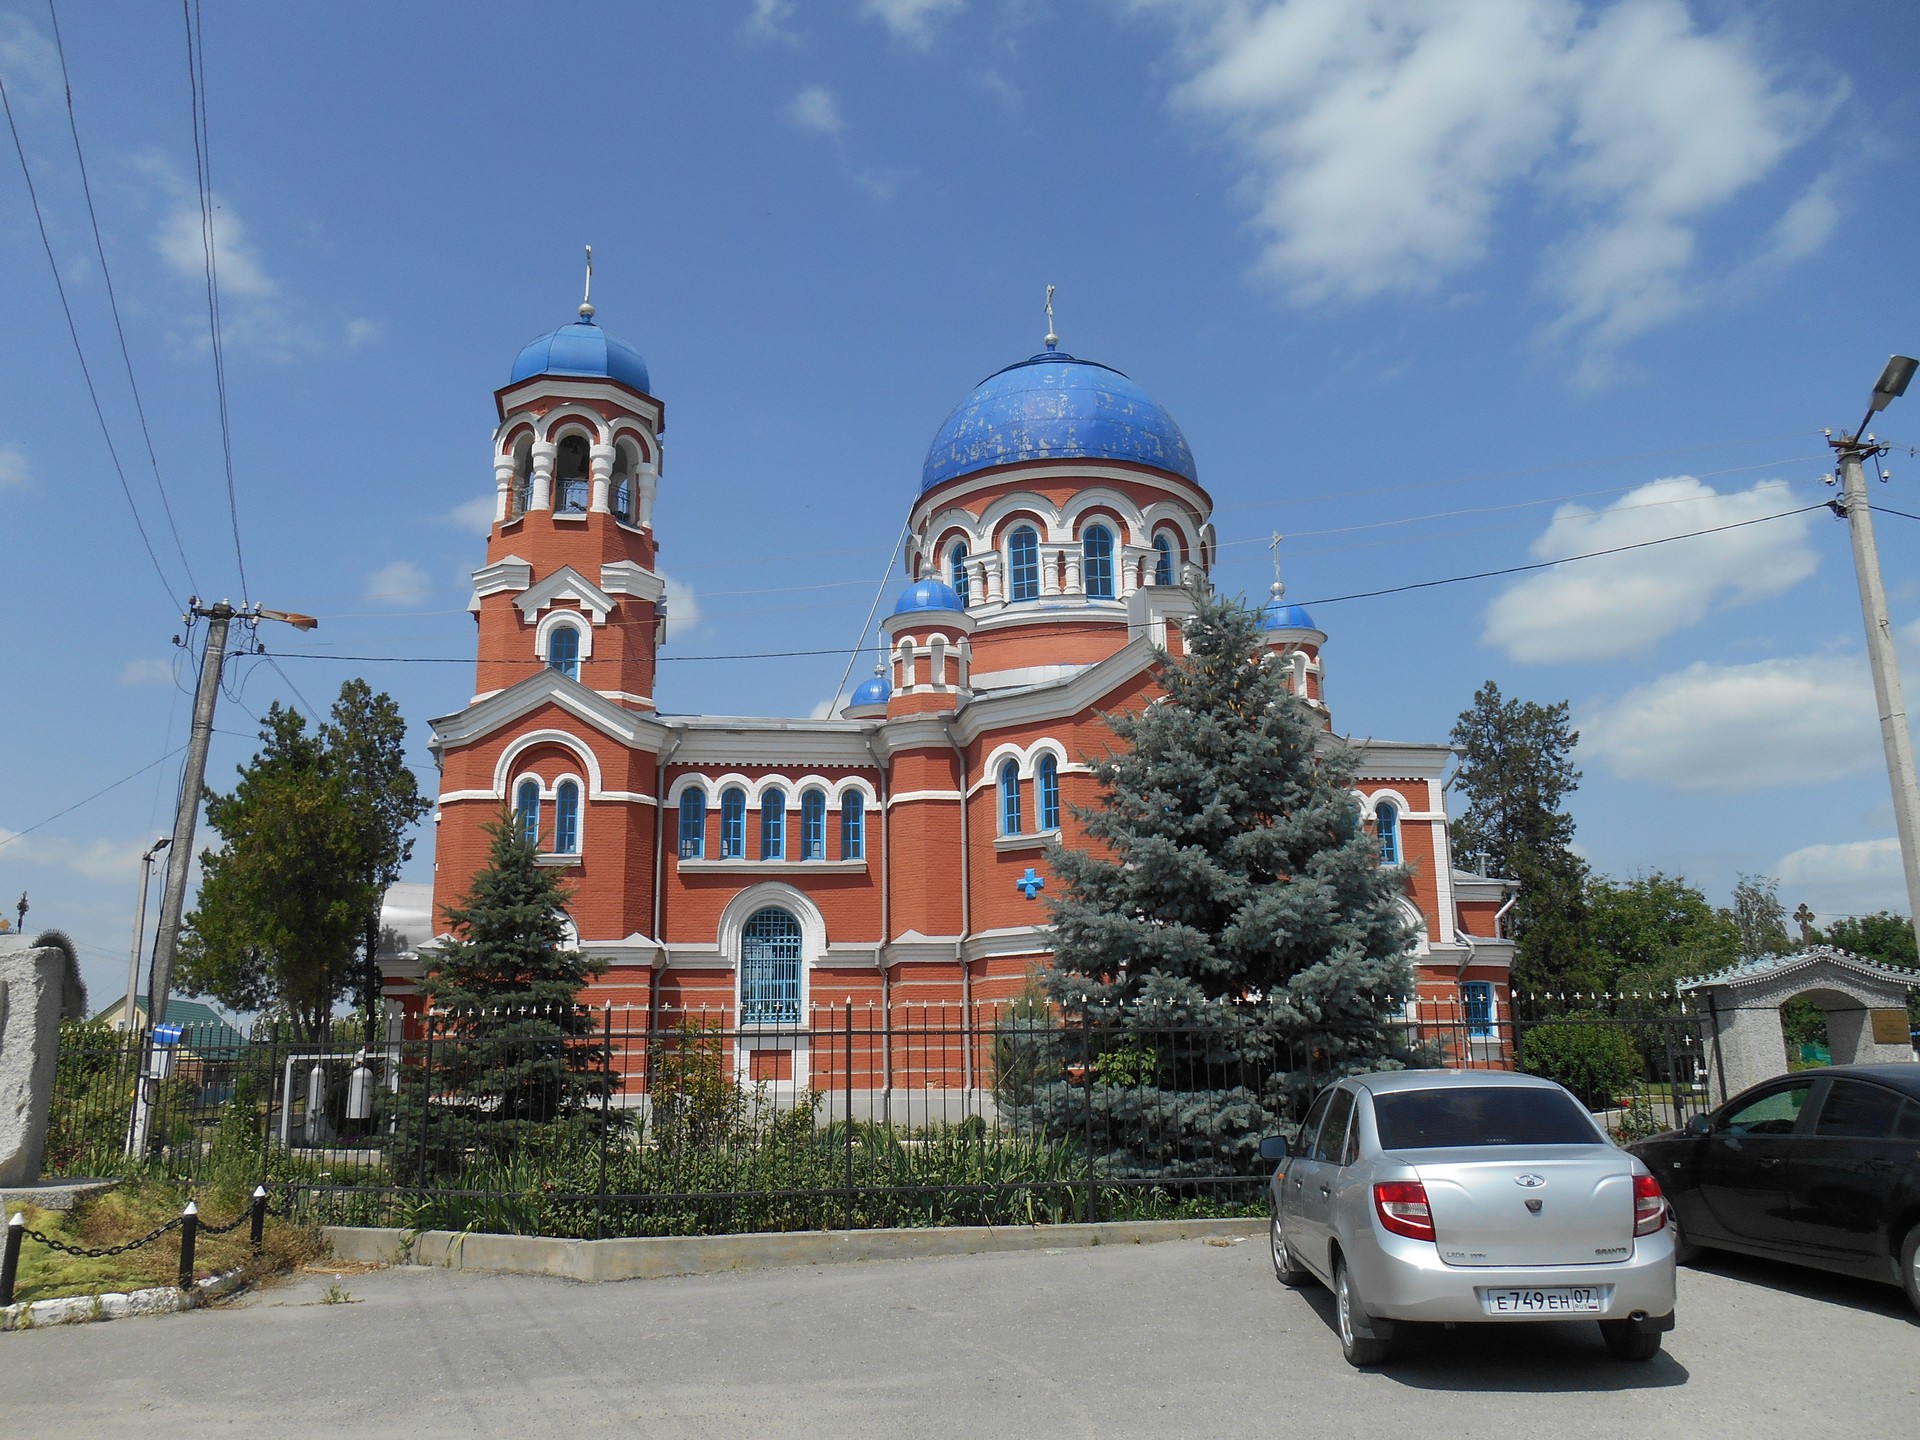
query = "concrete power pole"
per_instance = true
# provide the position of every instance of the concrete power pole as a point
(1852, 451)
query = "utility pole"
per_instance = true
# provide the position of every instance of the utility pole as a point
(1852, 452)
(140, 931)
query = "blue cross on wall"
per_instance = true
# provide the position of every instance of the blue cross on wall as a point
(1030, 884)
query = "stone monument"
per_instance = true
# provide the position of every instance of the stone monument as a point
(39, 987)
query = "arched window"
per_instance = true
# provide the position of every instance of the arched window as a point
(957, 564)
(526, 810)
(770, 969)
(520, 497)
(566, 819)
(1046, 793)
(1009, 798)
(1386, 831)
(1162, 560)
(1476, 1003)
(570, 477)
(773, 824)
(693, 823)
(563, 650)
(853, 826)
(1096, 549)
(1023, 564)
(733, 824)
(620, 494)
(813, 825)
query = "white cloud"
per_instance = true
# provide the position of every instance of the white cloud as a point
(182, 244)
(13, 468)
(1381, 138)
(683, 606)
(1856, 878)
(105, 860)
(402, 583)
(1622, 604)
(1733, 728)
(767, 20)
(474, 516)
(28, 62)
(362, 333)
(912, 20)
(816, 108)
(826, 709)
(149, 670)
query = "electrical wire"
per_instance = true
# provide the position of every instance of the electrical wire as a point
(113, 299)
(879, 594)
(203, 171)
(17, 834)
(1883, 510)
(79, 351)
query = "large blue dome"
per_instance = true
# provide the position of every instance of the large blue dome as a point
(582, 348)
(1055, 407)
(928, 594)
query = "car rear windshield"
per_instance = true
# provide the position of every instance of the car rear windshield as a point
(1480, 1115)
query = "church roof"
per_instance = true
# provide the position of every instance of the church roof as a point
(874, 690)
(1054, 406)
(1766, 967)
(582, 348)
(928, 594)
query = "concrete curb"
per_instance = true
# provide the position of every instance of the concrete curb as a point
(655, 1257)
(80, 1309)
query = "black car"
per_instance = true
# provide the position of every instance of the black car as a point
(1819, 1168)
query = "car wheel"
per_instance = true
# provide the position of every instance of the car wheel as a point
(1286, 1269)
(1628, 1341)
(1685, 1251)
(1910, 1266)
(1361, 1351)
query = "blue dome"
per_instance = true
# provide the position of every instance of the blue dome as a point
(582, 348)
(1278, 615)
(928, 595)
(1055, 407)
(874, 691)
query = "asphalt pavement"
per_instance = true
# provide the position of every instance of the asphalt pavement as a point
(1188, 1338)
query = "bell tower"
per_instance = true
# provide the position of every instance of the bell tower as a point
(570, 582)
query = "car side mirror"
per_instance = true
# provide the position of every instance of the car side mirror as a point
(1700, 1125)
(1274, 1148)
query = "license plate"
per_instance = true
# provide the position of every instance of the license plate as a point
(1550, 1300)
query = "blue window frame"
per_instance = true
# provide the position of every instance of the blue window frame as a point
(813, 825)
(1023, 564)
(526, 810)
(1162, 560)
(770, 969)
(853, 826)
(1476, 1002)
(563, 651)
(1096, 550)
(693, 823)
(1386, 831)
(566, 819)
(773, 824)
(1046, 793)
(957, 565)
(733, 824)
(1009, 798)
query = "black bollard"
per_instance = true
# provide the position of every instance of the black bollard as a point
(259, 1217)
(189, 1228)
(10, 1266)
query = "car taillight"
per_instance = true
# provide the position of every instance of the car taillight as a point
(1649, 1206)
(1402, 1207)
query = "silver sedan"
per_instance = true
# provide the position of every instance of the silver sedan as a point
(1481, 1196)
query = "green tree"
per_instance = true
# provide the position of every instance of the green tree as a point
(1653, 930)
(283, 900)
(366, 743)
(1758, 918)
(1882, 936)
(514, 1049)
(1229, 914)
(1516, 771)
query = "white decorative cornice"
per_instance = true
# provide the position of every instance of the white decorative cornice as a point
(548, 686)
(626, 577)
(566, 583)
(510, 573)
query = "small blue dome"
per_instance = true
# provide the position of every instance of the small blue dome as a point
(1055, 407)
(1278, 615)
(928, 594)
(876, 690)
(582, 348)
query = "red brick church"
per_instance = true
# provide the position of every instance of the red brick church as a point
(894, 854)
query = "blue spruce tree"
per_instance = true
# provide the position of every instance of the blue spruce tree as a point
(1228, 941)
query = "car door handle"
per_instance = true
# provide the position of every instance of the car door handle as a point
(1769, 1162)
(1325, 1191)
(1879, 1162)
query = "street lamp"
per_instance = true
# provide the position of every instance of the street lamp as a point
(1852, 452)
(140, 928)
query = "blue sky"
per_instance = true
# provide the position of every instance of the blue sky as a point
(1433, 289)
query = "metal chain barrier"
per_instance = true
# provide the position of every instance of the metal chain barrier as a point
(83, 1253)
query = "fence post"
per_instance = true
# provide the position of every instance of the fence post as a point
(426, 1098)
(1086, 1080)
(848, 1062)
(606, 1118)
(10, 1265)
(189, 1229)
(273, 1080)
(258, 1228)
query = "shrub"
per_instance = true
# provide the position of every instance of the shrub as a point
(1594, 1060)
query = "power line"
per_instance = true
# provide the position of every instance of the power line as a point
(113, 300)
(8, 840)
(1883, 510)
(78, 350)
(203, 171)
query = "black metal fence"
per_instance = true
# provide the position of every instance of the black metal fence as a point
(613, 1122)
